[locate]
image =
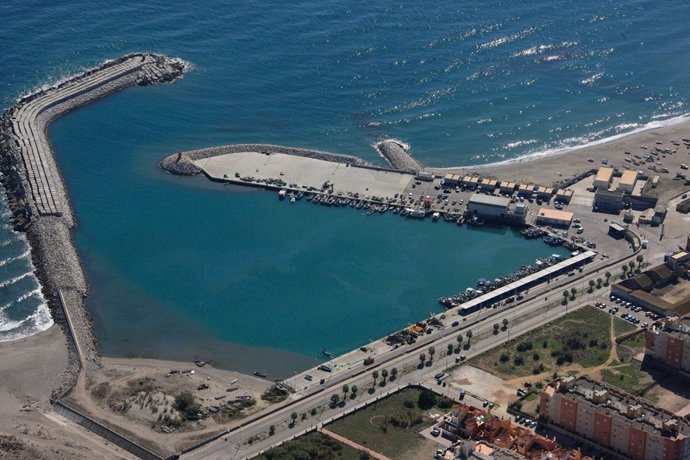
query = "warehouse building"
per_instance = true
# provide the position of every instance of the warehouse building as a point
(627, 182)
(488, 206)
(554, 218)
(603, 178)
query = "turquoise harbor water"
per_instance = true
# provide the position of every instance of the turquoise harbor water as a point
(180, 267)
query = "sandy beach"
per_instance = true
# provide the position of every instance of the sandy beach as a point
(557, 167)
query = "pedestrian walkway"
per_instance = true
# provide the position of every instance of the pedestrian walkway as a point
(353, 444)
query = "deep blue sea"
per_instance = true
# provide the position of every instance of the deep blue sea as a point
(181, 268)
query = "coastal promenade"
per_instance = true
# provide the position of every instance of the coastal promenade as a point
(38, 199)
(248, 438)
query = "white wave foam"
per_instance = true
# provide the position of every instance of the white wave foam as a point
(9, 260)
(7, 324)
(16, 279)
(589, 81)
(512, 145)
(36, 292)
(38, 321)
(579, 143)
(6, 243)
(403, 144)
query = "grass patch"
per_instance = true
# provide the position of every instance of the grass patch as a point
(312, 445)
(581, 337)
(391, 426)
(627, 377)
(622, 326)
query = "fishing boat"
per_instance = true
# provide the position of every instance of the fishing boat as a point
(282, 194)
(327, 353)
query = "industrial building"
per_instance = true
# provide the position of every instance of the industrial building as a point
(526, 190)
(627, 181)
(661, 289)
(554, 218)
(470, 182)
(670, 346)
(451, 180)
(603, 178)
(607, 201)
(488, 206)
(563, 195)
(507, 187)
(626, 426)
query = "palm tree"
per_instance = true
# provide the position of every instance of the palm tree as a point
(505, 322)
(432, 350)
(384, 376)
(565, 296)
(353, 391)
(459, 339)
(375, 375)
(422, 359)
(450, 349)
(599, 281)
(394, 373)
(293, 417)
(631, 265)
(469, 336)
(335, 400)
(496, 328)
(607, 275)
(346, 389)
(640, 259)
(625, 270)
(591, 285)
(573, 291)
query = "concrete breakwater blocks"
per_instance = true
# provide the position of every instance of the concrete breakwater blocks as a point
(36, 192)
(25, 123)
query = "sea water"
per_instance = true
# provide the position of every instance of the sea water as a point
(179, 267)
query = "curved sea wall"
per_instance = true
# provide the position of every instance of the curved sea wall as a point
(396, 154)
(181, 163)
(36, 192)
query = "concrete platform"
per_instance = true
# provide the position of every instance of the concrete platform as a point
(306, 172)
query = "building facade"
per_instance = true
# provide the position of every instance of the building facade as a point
(670, 346)
(614, 420)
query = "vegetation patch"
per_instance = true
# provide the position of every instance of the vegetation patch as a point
(581, 337)
(312, 446)
(274, 395)
(391, 426)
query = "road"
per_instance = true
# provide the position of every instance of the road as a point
(525, 317)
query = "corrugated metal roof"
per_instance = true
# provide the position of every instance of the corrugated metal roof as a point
(489, 200)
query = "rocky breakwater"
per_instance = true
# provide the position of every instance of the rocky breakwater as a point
(182, 163)
(396, 154)
(36, 192)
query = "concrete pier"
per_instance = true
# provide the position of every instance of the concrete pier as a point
(278, 170)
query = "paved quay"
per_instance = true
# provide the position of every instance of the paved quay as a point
(308, 173)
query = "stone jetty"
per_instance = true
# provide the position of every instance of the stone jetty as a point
(395, 153)
(36, 193)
